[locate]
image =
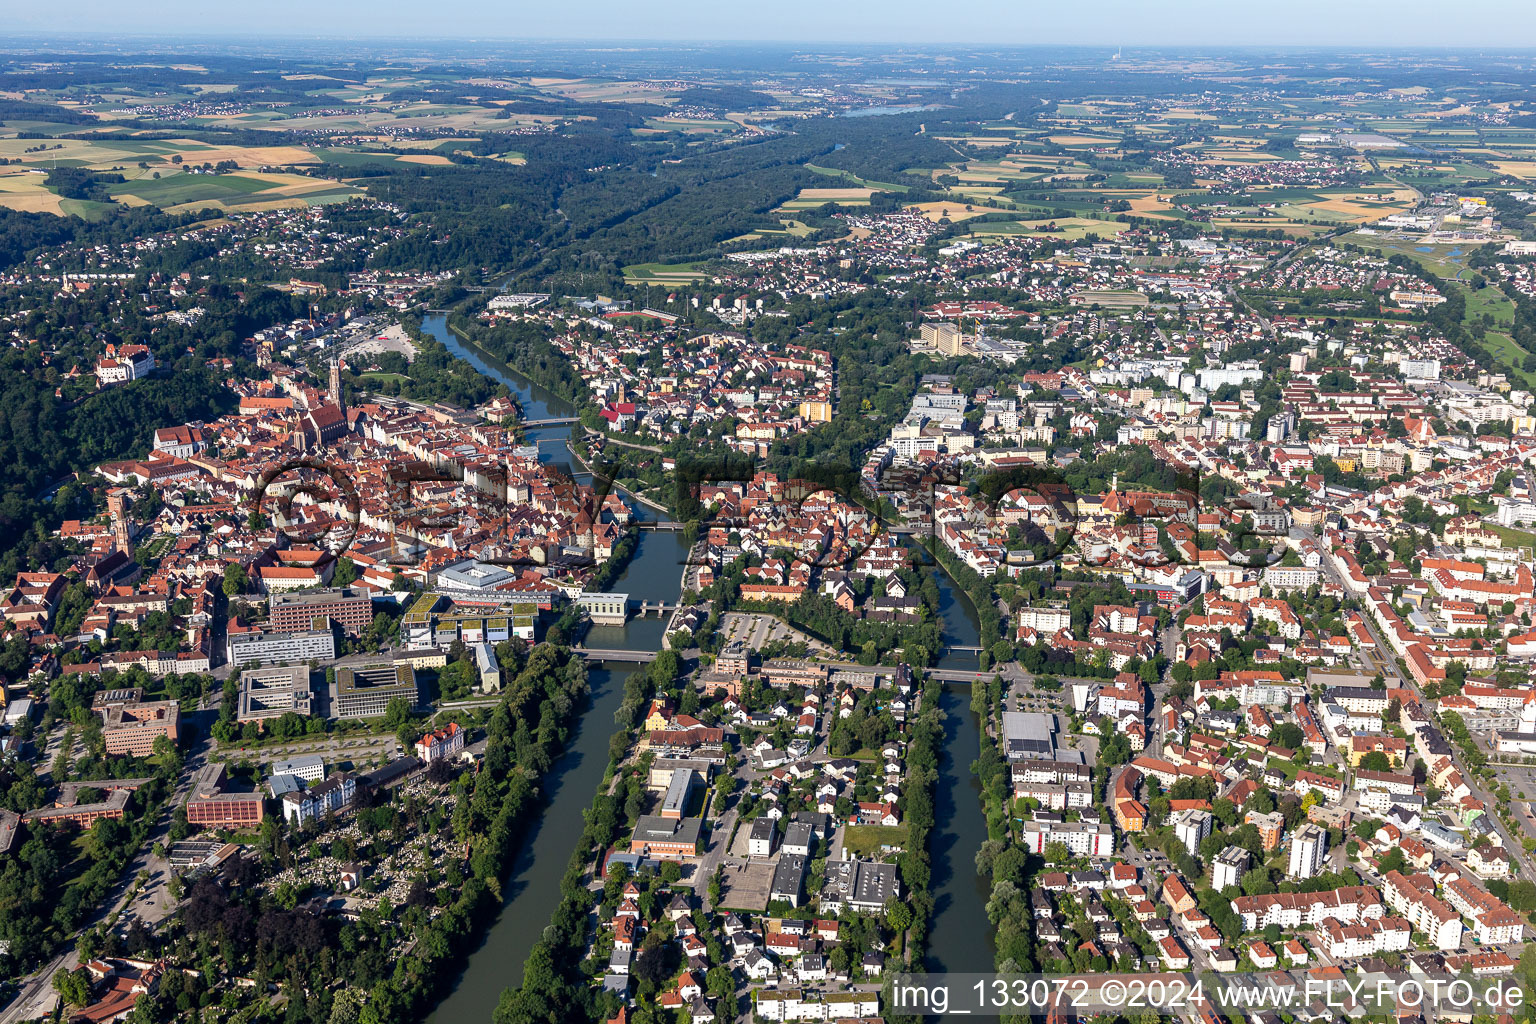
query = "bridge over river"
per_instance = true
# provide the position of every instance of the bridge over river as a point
(615, 654)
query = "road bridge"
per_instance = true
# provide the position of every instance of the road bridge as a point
(610, 654)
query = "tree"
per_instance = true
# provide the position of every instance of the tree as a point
(1376, 761)
(345, 573)
(235, 580)
(899, 916)
(397, 713)
(1287, 735)
(653, 966)
(74, 986)
(1256, 882)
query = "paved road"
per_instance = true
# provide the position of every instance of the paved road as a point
(716, 849)
(36, 997)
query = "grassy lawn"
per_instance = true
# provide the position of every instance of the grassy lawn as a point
(1491, 302)
(661, 272)
(1513, 537)
(1510, 354)
(866, 840)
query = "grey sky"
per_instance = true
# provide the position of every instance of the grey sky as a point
(1502, 25)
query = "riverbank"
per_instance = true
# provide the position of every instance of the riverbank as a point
(962, 935)
(535, 405)
(587, 468)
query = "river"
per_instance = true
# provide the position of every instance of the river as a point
(959, 939)
(533, 889)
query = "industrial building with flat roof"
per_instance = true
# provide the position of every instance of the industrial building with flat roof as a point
(274, 691)
(860, 885)
(667, 838)
(1029, 736)
(364, 691)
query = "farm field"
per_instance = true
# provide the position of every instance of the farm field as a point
(1069, 228)
(1111, 299)
(25, 190)
(183, 192)
(853, 179)
(811, 198)
(955, 211)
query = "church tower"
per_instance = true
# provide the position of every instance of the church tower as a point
(335, 388)
(117, 506)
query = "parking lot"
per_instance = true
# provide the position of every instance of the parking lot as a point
(757, 631)
(745, 884)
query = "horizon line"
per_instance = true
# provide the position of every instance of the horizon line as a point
(232, 36)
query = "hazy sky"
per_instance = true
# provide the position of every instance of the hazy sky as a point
(1364, 24)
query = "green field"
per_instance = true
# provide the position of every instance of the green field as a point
(1512, 357)
(354, 157)
(190, 188)
(661, 273)
(1489, 302)
(854, 180)
(85, 209)
(339, 194)
(1444, 259)
(1512, 537)
(866, 840)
